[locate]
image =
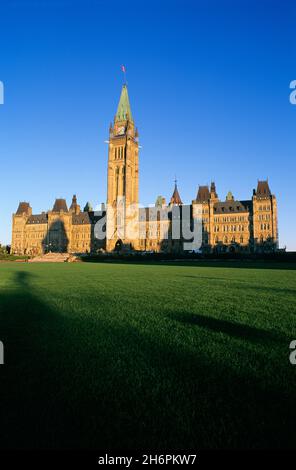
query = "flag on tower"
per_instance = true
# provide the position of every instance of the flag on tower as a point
(123, 68)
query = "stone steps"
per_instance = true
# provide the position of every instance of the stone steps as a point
(51, 258)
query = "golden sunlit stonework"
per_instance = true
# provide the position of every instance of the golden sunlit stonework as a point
(223, 226)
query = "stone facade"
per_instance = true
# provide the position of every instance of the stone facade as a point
(228, 225)
(58, 230)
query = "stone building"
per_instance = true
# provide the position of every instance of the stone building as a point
(223, 225)
(58, 230)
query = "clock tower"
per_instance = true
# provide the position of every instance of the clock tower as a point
(123, 179)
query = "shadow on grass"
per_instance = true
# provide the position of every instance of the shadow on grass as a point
(238, 330)
(74, 381)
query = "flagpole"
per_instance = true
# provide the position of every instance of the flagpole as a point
(124, 74)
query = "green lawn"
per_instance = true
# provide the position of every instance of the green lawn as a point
(147, 356)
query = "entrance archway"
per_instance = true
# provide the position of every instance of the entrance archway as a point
(118, 245)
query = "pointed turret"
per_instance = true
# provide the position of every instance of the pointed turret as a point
(88, 207)
(214, 194)
(74, 205)
(124, 110)
(176, 199)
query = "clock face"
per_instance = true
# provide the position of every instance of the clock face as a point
(120, 130)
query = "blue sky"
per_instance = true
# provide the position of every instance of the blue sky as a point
(208, 84)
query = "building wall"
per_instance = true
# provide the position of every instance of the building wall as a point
(58, 235)
(247, 230)
(18, 234)
(265, 224)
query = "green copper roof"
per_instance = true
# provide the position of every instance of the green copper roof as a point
(229, 196)
(88, 207)
(124, 109)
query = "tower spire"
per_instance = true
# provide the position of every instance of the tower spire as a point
(176, 199)
(124, 109)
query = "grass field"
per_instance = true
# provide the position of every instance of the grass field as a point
(147, 356)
